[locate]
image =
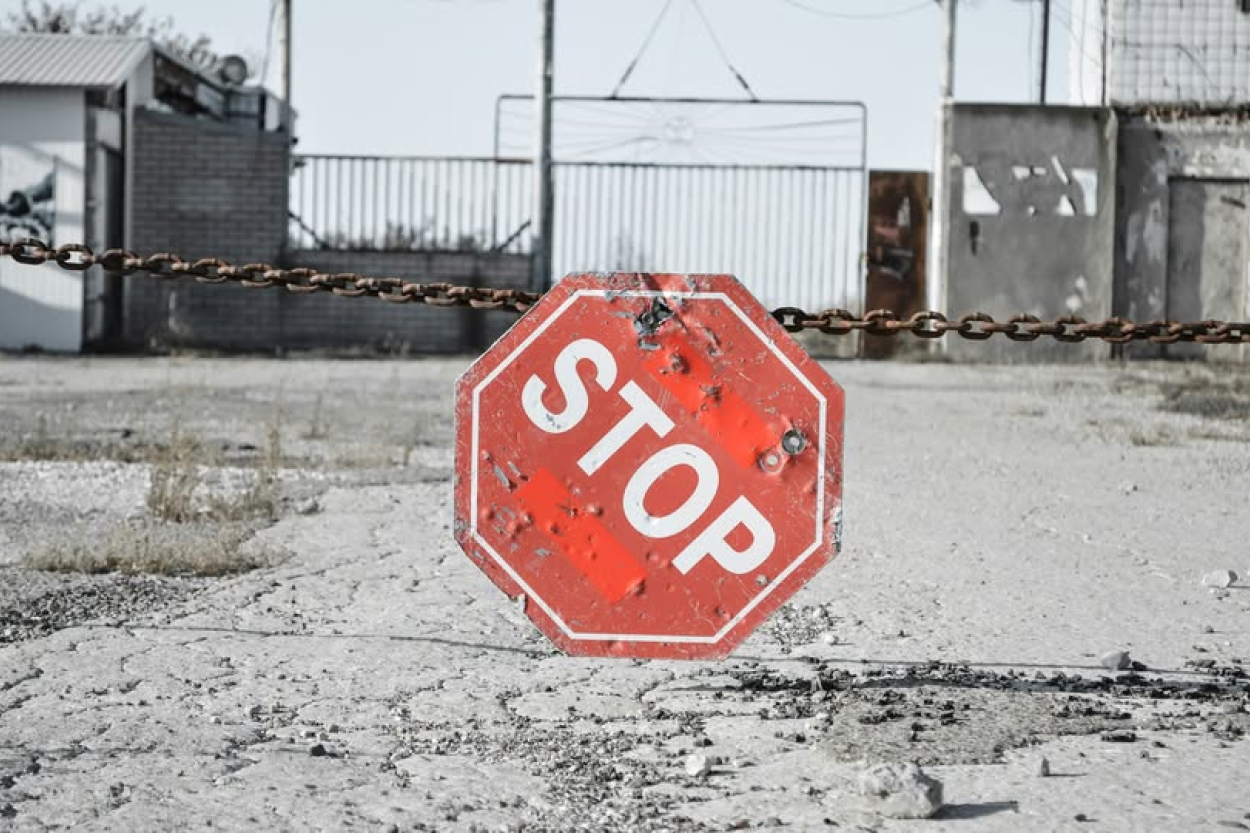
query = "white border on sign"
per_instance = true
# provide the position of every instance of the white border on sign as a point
(646, 637)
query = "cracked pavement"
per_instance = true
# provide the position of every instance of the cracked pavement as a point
(1004, 528)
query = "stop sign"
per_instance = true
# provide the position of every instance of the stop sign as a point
(651, 462)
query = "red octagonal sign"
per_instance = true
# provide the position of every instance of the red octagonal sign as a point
(651, 461)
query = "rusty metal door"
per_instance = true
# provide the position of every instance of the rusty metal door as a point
(1208, 257)
(898, 228)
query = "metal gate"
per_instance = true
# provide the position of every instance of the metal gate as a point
(771, 191)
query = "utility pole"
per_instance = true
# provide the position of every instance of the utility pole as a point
(543, 190)
(284, 64)
(938, 258)
(1041, 93)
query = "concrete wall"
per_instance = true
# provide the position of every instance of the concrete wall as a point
(42, 132)
(1031, 211)
(1156, 160)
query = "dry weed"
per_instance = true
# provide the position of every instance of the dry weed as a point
(177, 476)
(164, 549)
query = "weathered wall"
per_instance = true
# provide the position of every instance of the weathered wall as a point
(1031, 222)
(1154, 159)
(206, 189)
(325, 321)
(42, 160)
(898, 230)
(202, 188)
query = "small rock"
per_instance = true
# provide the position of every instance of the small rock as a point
(8, 811)
(1231, 708)
(255, 711)
(698, 766)
(1208, 629)
(829, 638)
(317, 750)
(1128, 487)
(1043, 767)
(1116, 660)
(900, 791)
(1119, 736)
(308, 507)
(1219, 578)
(1080, 817)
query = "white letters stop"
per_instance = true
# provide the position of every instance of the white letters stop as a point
(645, 413)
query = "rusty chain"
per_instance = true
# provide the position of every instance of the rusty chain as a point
(976, 326)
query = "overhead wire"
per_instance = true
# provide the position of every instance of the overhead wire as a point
(883, 15)
(642, 49)
(264, 65)
(720, 47)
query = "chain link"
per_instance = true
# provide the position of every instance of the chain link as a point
(975, 326)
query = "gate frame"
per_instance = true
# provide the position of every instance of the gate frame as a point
(861, 272)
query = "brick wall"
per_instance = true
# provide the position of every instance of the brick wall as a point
(207, 189)
(202, 188)
(326, 321)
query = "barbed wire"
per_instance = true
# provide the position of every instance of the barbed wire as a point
(975, 326)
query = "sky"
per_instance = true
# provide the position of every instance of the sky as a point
(422, 76)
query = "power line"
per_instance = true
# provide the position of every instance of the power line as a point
(642, 49)
(720, 47)
(264, 66)
(798, 4)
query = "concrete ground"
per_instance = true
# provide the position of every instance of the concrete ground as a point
(1004, 528)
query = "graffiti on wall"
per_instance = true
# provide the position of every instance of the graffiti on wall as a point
(27, 194)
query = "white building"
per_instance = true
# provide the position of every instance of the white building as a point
(67, 115)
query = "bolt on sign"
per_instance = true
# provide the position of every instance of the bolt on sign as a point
(650, 462)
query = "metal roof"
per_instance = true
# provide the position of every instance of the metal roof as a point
(70, 60)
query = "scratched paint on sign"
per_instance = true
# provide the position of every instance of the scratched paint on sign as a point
(684, 466)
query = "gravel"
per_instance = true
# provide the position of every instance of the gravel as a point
(34, 604)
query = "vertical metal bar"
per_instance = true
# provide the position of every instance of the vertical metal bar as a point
(413, 222)
(284, 63)
(303, 201)
(635, 220)
(827, 217)
(603, 207)
(1045, 57)
(544, 210)
(936, 275)
(851, 258)
(815, 230)
(861, 266)
(387, 177)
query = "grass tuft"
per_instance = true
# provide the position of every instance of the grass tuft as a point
(160, 549)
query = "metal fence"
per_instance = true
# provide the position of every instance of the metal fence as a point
(410, 203)
(790, 222)
(791, 234)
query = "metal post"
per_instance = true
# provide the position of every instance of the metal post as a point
(284, 53)
(941, 166)
(544, 202)
(1041, 93)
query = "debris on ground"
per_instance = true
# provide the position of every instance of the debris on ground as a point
(900, 791)
(1116, 661)
(698, 766)
(1220, 579)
